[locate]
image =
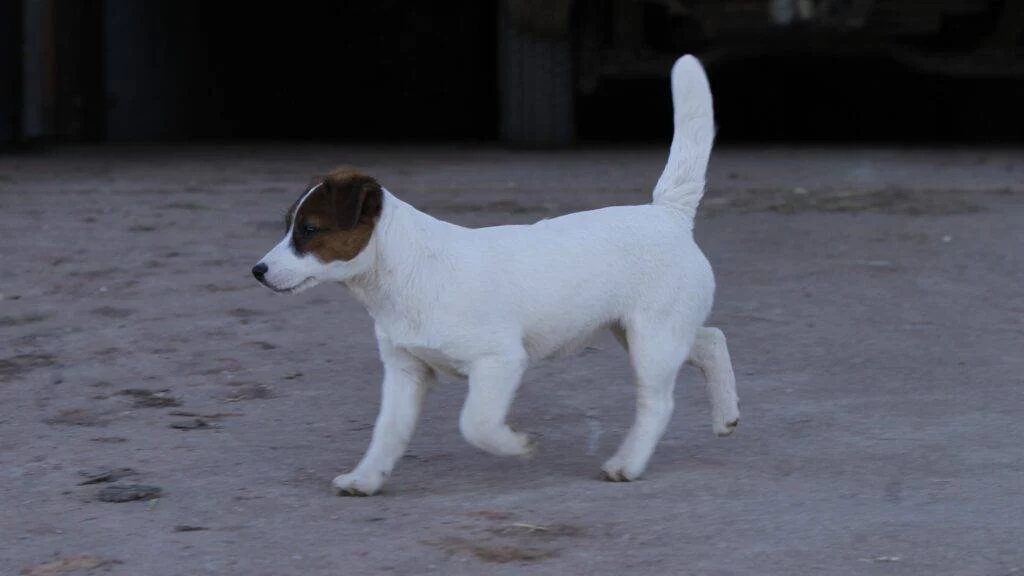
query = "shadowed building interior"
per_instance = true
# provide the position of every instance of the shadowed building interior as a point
(520, 72)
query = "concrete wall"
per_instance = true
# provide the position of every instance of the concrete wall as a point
(154, 62)
(130, 70)
(34, 114)
(10, 72)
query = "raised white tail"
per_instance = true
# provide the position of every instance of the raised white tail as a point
(682, 183)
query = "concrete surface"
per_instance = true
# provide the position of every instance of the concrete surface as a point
(872, 299)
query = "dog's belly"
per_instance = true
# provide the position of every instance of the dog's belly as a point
(542, 345)
(538, 346)
(440, 361)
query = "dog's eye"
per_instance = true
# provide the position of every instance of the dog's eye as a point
(309, 230)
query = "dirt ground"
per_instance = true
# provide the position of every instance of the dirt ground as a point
(873, 300)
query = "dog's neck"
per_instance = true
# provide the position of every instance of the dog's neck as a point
(405, 244)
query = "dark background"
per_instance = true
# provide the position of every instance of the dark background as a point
(513, 73)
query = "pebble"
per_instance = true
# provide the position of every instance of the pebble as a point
(128, 493)
(98, 475)
(193, 424)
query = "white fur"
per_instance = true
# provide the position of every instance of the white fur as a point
(486, 303)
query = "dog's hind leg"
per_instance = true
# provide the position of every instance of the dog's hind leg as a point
(493, 382)
(657, 353)
(406, 380)
(711, 355)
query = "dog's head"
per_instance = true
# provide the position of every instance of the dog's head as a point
(327, 231)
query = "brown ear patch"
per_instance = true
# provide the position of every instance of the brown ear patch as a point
(290, 214)
(336, 219)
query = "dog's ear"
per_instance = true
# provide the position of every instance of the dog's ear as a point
(354, 198)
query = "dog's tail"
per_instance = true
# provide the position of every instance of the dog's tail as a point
(682, 183)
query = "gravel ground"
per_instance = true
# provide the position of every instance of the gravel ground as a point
(162, 414)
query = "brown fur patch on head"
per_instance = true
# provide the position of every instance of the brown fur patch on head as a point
(336, 220)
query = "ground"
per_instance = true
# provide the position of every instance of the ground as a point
(872, 300)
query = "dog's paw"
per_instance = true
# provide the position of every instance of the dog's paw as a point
(518, 444)
(616, 470)
(527, 445)
(500, 441)
(726, 427)
(725, 423)
(354, 484)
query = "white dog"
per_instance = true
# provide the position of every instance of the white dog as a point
(486, 303)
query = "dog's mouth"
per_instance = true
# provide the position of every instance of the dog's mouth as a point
(302, 285)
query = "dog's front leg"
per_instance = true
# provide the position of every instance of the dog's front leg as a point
(406, 380)
(493, 382)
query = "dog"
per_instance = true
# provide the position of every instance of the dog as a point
(486, 303)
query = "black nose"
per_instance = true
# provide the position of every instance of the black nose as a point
(259, 270)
